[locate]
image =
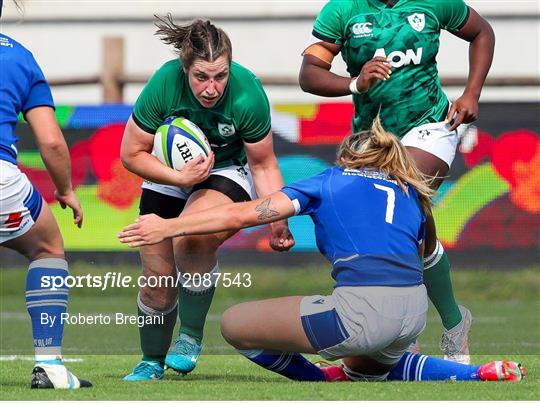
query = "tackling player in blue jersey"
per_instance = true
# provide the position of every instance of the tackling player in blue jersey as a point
(369, 214)
(26, 222)
(390, 48)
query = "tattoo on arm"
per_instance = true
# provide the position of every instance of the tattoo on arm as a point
(265, 211)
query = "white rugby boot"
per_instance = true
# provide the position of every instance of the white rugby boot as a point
(455, 342)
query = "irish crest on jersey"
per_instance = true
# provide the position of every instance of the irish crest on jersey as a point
(226, 129)
(417, 21)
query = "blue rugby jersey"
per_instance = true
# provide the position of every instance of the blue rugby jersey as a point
(364, 225)
(22, 87)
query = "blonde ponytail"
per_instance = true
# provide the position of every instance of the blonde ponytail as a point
(381, 150)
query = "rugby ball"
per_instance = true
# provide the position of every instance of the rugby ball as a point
(178, 141)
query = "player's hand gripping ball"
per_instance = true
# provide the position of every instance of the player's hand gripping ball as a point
(178, 141)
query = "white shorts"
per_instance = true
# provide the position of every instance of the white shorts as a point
(378, 321)
(20, 202)
(434, 138)
(240, 175)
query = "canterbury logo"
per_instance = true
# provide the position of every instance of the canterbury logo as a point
(362, 29)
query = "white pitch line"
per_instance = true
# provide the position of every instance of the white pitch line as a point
(12, 358)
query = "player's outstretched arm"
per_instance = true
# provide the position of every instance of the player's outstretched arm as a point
(479, 33)
(151, 229)
(55, 154)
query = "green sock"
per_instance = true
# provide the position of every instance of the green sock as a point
(194, 307)
(439, 287)
(156, 338)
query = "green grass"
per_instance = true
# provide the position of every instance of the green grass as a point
(505, 306)
(227, 377)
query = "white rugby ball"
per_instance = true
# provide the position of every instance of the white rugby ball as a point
(178, 141)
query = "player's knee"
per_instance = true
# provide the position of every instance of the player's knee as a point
(197, 244)
(157, 298)
(227, 326)
(53, 249)
(231, 329)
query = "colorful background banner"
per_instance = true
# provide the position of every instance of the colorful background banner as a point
(490, 201)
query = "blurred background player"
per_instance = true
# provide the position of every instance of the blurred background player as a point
(390, 49)
(369, 216)
(229, 104)
(26, 221)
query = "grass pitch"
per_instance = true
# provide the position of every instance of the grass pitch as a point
(505, 307)
(227, 377)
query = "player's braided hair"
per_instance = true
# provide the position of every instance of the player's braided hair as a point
(378, 149)
(200, 39)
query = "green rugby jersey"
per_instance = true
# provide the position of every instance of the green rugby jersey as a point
(242, 113)
(408, 34)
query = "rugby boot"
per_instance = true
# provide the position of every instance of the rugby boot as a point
(502, 371)
(183, 356)
(55, 376)
(332, 373)
(146, 371)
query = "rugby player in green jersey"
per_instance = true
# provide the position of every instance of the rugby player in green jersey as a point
(229, 104)
(390, 49)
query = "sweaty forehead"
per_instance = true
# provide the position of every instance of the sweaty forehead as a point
(217, 66)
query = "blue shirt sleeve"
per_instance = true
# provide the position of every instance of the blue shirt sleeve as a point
(305, 194)
(39, 92)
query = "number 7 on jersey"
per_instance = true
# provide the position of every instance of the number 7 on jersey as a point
(390, 201)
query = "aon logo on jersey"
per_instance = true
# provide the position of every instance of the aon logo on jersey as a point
(398, 58)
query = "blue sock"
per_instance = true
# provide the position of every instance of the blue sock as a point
(46, 305)
(416, 367)
(291, 365)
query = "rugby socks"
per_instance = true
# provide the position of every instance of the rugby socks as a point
(439, 287)
(155, 337)
(46, 301)
(195, 301)
(417, 367)
(291, 365)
